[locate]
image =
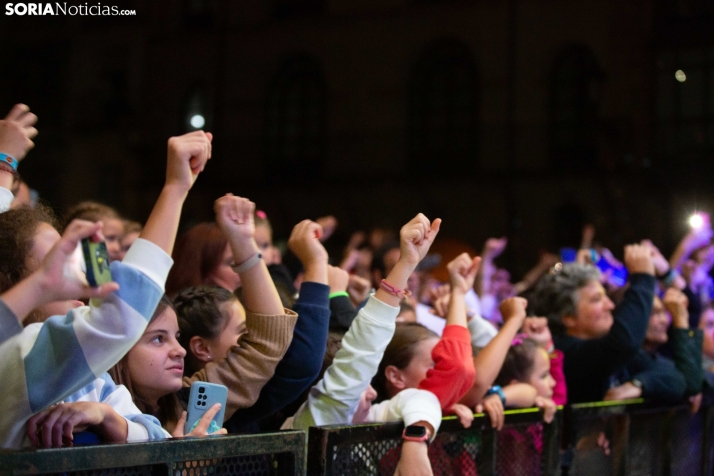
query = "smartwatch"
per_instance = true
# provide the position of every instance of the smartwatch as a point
(416, 433)
(497, 390)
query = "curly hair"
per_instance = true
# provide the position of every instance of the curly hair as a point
(557, 294)
(17, 236)
(199, 314)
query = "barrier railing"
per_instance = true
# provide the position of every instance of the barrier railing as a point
(641, 439)
(604, 438)
(525, 445)
(270, 454)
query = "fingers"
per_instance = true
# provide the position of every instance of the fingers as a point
(494, 409)
(180, 424)
(101, 291)
(461, 264)
(34, 423)
(77, 231)
(338, 279)
(17, 111)
(205, 420)
(237, 209)
(434, 230)
(464, 413)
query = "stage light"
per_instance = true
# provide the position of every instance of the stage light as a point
(696, 221)
(197, 121)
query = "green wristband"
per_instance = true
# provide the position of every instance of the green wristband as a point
(339, 293)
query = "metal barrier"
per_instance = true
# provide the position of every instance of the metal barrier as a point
(604, 438)
(525, 445)
(642, 439)
(270, 454)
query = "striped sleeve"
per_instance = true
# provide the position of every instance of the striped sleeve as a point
(70, 351)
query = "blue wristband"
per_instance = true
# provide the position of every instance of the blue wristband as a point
(11, 161)
(497, 390)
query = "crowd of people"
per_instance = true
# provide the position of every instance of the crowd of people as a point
(302, 339)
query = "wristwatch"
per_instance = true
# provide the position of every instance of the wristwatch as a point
(416, 433)
(497, 390)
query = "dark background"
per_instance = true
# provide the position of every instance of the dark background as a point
(503, 117)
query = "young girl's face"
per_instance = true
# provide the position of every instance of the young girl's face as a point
(234, 329)
(156, 361)
(421, 363)
(540, 376)
(113, 229)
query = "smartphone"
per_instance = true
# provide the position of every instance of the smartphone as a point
(203, 396)
(96, 260)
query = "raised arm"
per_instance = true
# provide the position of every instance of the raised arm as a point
(334, 399)
(453, 372)
(462, 271)
(686, 343)
(488, 362)
(187, 156)
(302, 362)
(492, 249)
(16, 133)
(234, 216)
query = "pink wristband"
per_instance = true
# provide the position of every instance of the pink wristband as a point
(400, 293)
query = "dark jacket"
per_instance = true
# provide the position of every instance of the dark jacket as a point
(589, 363)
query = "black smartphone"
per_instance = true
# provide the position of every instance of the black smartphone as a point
(96, 259)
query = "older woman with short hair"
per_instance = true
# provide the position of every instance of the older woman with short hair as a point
(596, 337)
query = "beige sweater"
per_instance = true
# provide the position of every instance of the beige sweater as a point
(249, 366)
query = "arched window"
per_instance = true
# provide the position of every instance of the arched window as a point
(576, 96)
(295, 132)
(443, 110)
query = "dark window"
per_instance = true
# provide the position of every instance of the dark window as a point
(576, 97)
(298, 8)
(295, 132)
(685, 102)
(443, 110)
(198, 13)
